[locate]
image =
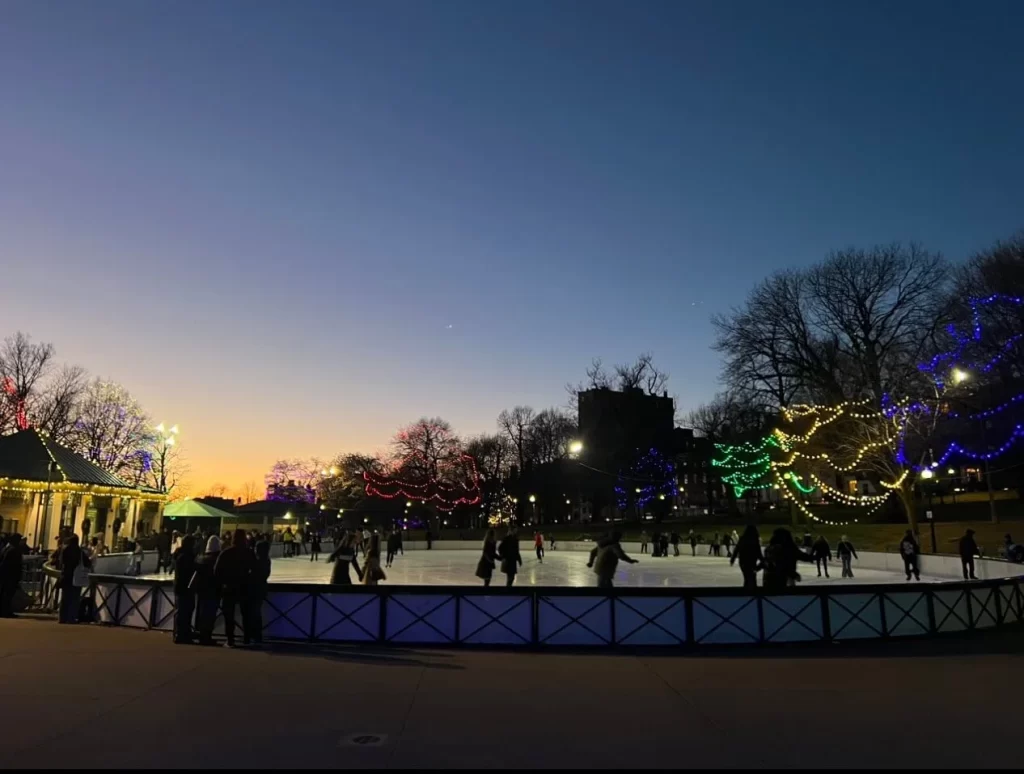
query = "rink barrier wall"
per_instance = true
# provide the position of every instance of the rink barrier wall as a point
(553, 617)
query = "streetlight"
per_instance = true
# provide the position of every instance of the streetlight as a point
(575, 448)
(927, 474)
(960, 376)
(167, 440)
(533, 504)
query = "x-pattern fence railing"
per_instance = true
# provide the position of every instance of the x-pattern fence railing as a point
(553, 617)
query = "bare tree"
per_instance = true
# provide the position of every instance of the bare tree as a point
(425, 448)
(515, 424)
(250, 492)
(111, 429)
(641, 374)
(344, 486)
(549, 436)
(217, 490)
(23, 365)
(597, 379)
(54, 410)
(493, 455)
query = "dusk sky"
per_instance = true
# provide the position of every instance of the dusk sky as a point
(263, 217)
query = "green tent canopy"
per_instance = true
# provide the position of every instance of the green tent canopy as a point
(193, 509)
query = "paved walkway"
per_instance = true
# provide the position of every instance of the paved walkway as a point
(94, 697)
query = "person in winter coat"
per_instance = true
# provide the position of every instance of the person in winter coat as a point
(314, 547)
(511, 559)
(665, 537)
(716, 546)
(643, 541)
(394, 539)
(693, 543)
(780, 558)
(372, 572)
(344, 556)
(488, 558)
(234, 567)
(184, 598)
(607, 560)
(909, 550)
(846, 552)
(206, 590)
(163, 548)
(538, 545)
(674, 540)
(968, 550)
(258, 590)
(748, 554)
(70, 586)
(822, 553)
(10, 574)
(289, 542)
(727, 542)
(656, 542)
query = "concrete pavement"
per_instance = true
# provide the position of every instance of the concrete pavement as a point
(94, 697)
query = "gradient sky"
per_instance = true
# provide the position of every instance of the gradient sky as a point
(261, 217)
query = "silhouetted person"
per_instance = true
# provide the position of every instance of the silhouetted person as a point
(727, 542)
(656, 541)
(372, 571)
(808, 541)
(643, 541)
(910, 550)
(607, 561)
(207, 591)
(393, 541)
(232, 571)
(71, 580)
(748, 554)
(163, 550)
(822, 553)
(780, 558)
(258, 590)
(846, 553)
(538, 544)
(511, 559)
(314, 547)
(674, 540)
(488, 558)
(184, 559)
(693, 543)
(10, 574)
(664, 544)
(968, 550)
(344, 556)
(716, 546)
(430, 540)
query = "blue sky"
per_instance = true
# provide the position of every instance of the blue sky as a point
(262, 217)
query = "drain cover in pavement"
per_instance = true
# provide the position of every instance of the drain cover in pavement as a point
(364, 740)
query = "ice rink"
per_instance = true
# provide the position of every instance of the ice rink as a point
(563, 568)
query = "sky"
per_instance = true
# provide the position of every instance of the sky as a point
(293, 227)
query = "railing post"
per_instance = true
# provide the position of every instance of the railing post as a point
(688, 606)
(383, 622)
(151, 618)
(314, 597)
(881, 615)
(535, 618)
(970, 606)
(611, 601)
(457, 599)
(929, 596)
(118, 590)
(826, 618)
(759, 606)
(997, 595)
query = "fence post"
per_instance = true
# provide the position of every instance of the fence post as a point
(118, 590)
(881, 615)
(826, 618)
(535, 617)
(688, 606)
(457, 599)
(314, 597)
(382, 631)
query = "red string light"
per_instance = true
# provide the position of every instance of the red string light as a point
(445, 494)
(21, 417)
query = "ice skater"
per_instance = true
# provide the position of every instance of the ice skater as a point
(909, 550)
(643, 541)
(748, 554)
(780, 558)
(393, 541)
(552, 539)
(727, 541)
(314, 547)
(693, 543)
(664, 543)
(674, 540)
(968, 550)
(372, 571)
(488, 558)
(344, 556)
(822, 553)
(715, 549)
(607, 560)
(538, 545)
(846, 553)
(511, 559)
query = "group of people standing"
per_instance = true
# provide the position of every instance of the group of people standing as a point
(232, 578)
(662, 540)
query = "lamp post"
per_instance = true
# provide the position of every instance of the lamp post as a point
(168, 439)
(533, 504)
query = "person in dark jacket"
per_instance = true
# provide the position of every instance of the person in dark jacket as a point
(656, 542)
(10, 574)
(163, 549)
(234, 567)
(909, 550)
(822, 553)
(314, 547)
(258, 589)
(727, 542)
(674, 540)
(393, 540)
(748, 554)
(780, 558)
(607, 560)
(344, 556)
(70, 594)
(664, 543)
(511, 559)
(846, 553)
(488, 558)
(643, 541)
(206, 590)
(693, 543)
(968, 550)
(184, 598)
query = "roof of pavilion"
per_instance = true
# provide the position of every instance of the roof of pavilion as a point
(25, 459)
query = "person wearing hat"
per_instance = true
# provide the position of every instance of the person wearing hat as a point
(968, 550)
(204, 585)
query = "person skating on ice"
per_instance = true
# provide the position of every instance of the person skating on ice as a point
(846, 553)
(822, 553)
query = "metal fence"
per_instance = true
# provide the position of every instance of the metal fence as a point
(533, 617)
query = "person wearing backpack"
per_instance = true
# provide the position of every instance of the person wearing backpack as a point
(607, 560)
(846, 552)
(910, 550)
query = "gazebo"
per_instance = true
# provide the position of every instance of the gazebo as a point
(193, 513)
(46, 489)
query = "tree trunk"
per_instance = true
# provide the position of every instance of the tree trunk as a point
(909, 503)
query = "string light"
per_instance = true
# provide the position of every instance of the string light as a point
(742, 479)
(446, 495)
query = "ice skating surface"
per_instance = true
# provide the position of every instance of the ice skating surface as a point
(564, 568)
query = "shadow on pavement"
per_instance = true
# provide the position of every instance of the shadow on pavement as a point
(374, 657)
